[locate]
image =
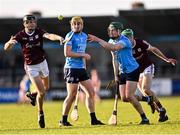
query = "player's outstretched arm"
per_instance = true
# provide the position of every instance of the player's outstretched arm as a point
(53, 37)
(8, 45)
(158, 53)
(105, 44)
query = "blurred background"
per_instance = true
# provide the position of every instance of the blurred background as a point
(156, 21)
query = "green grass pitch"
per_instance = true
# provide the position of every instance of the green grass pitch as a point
(22, 119)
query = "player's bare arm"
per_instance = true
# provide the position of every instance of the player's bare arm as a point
(115, 66)
(105, 44)
(158, 53)
(8, 45)
(53, 37)
(69, 53)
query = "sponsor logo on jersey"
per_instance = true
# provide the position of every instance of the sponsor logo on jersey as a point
(32, 45)
(24, 38)
(31, 38)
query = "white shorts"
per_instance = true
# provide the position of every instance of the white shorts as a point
(40, 69)
(148, 70)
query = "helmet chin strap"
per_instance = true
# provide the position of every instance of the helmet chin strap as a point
(114, 38)
(29, 31)
(77, 32)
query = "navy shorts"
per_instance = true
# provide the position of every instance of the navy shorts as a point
(73, 75)
(133, 76)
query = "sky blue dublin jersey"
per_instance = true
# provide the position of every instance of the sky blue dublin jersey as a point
(124, 56)
(78, 43)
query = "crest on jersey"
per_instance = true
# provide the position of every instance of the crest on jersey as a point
(36, 36)
(139, 49)
(81, 39)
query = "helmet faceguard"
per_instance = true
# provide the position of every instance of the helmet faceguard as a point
(30, 23)
(76, 19)
(76, 24)
(116, 25)
(29, 18)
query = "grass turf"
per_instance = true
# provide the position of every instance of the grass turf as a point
(22, 119)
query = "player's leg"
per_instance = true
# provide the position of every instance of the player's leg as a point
(122, 87)
(45, 82)
(131, 86)
(149, 98)
(122, 92)
(40, 99)
(82, 95)
(27, 87)
(40, 85)
(33, 94)
(32, 97)
(37, 82)
(130, 94)
(34, 70)
(96, 90)
(89, 91)
(146, 87)
(74, 113)
(71, 94)
(71, 77)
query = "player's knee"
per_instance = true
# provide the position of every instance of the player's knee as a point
(71, 95)
(146, 90)
(90, 94)
(46, 88)
(124, 99)
(129, 98)
(41, 93)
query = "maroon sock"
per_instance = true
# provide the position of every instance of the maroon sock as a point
(159, 104)
(34, 94)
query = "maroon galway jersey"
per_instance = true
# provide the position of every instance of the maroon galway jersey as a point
(32, 46)
(140, 53)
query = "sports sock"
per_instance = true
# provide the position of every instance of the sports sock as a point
(75, 107)
(93, 116)
(41, 112)
(159, 105)
(146, 99)
(34, 94)
(64, 118)
(143, 116)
